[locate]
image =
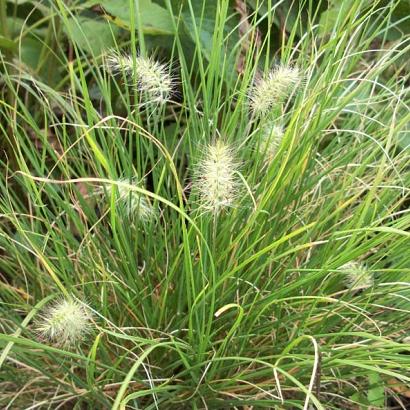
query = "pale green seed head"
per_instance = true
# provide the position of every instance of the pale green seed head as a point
(357, 276)
(135, 204)
(216, 180)
(271, 136)
(66, 323)
(117, 63)
(271, 90)
(152, 79)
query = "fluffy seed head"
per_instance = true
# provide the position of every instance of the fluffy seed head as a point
(117, 63)
(273, 89)
(215, 179)
(133, 203)
(357, 276)
(65, 323)
(151, 77)
(270, 139)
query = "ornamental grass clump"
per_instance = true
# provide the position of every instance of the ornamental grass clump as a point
(271, 90)
(209, 236)
(152, 79)
(215, 178)
(65, 323)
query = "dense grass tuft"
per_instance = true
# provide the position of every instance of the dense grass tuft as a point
(218, 254)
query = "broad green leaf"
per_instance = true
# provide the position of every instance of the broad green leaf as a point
(204, 22)
(333, 17)
(404, 139)
(155, 19)
(7, 44)
(92, 35)
(18, 2)
(17, 25)
(375, 395)
(286, 14)
(328, 21)
(358, 397)
(400, 18)
(30, 52)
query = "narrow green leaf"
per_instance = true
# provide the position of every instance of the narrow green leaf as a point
(6, 43)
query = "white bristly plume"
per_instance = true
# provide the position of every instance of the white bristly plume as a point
(65, 323)
(357, 276)
(135, 204)
(271, 136)
(153, 79)
(272, 89)
(215, 180)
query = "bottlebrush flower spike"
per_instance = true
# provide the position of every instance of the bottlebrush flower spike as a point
(65, 323)
(152, 78)
(133, 203)
(117, 63)
(270, 139)
(215, 178)
(357, 276)
(273, 88)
